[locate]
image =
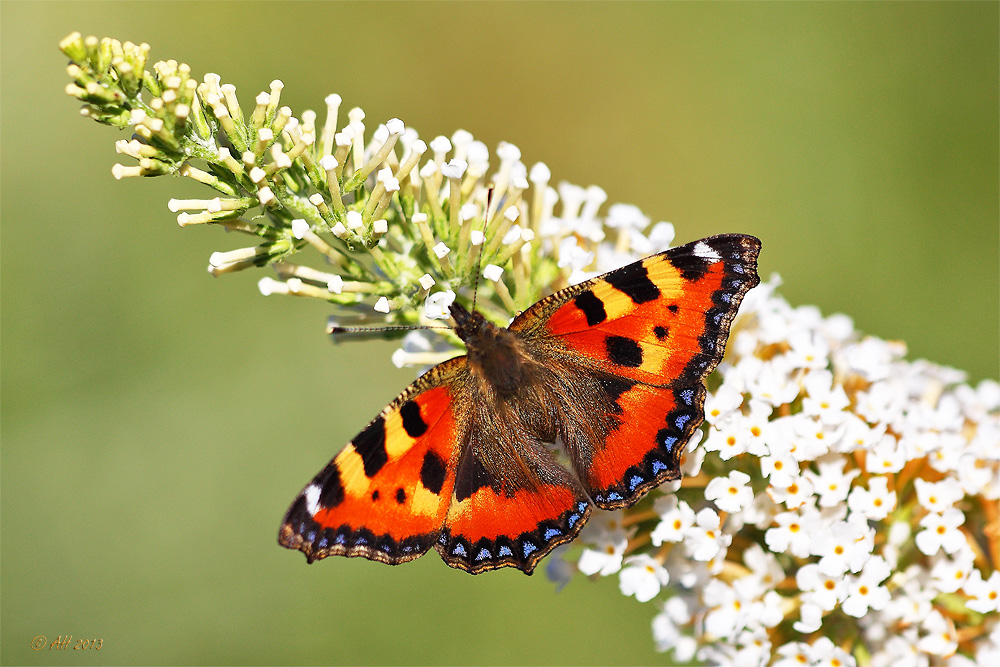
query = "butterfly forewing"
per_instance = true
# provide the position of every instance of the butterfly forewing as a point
(658, 326)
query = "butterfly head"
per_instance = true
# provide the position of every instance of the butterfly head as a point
(495, 353)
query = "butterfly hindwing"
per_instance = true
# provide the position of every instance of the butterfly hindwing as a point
(386, 494)
(655, 328)
(511, 507)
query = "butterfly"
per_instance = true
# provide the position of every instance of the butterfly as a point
(611, 370)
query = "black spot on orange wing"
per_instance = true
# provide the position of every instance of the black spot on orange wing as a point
(432, 472)
(633, 281)
(400, 496)
(331, 489)
(370, 444)
(592, 307)
(691, 266)
(413, 423)
(623, 351)
(661, 332)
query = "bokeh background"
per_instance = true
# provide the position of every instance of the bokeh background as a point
(156, 421)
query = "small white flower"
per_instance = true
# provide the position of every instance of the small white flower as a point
(791, 534)
(977, 474)
(756, 423)
(824, 400)
(875, 502)
(820, 589)
(807, 351)
(730, 493)
(771, 383)
(764, 567)
(950, 574)
(728, 437)
(842, 547)
(754, 648)
(941, 638)
(814, 439)
(881, 403)
(705, 538)
(661, 236)
(859, 435)
(865, 591)
(436, 306)
(722, 403)
(810, 618)
(832, 483)
(728, 608)
(625, 216)
(643, 577)
(605, 560)
(676, 516)
(769, 611)
(667, 629)
(572, 255)
(941, 531)
(886, 456)
(985, 594)
(828, 654)
(607, 540)
(781, 468)
(794, 494)
(901, 649)
(871, 358)
(794, 654)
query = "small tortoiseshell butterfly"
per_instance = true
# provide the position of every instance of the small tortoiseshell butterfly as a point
(611, 369)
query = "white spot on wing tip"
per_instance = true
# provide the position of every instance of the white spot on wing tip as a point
(705, 251)
(312, 498)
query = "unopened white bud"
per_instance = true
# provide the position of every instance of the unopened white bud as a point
(299, 228)
(269, 286)
(395, 126)
(492, 272)
(441, 250)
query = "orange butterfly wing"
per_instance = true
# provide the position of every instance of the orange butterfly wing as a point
(385, 495)
(658, 327)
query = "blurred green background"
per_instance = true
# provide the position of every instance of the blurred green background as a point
(156, 422)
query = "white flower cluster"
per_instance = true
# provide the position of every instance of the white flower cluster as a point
(839, 507)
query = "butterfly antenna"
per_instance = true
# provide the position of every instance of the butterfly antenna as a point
(479, 260)
(334, 329)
